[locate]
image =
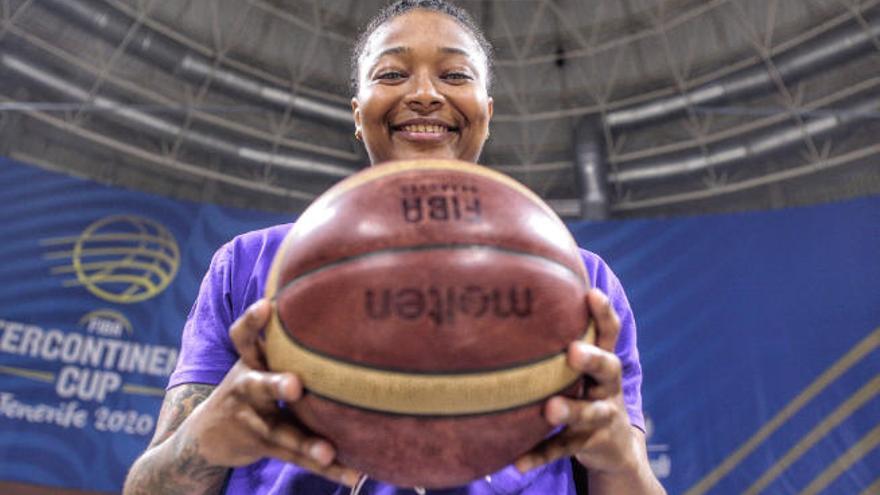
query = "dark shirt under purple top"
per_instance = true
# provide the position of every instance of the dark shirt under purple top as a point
(236, 279)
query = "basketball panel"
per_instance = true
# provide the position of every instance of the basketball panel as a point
(436, 310)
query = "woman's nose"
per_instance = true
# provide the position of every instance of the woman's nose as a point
(424, 94)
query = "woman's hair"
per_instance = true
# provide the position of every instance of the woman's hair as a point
(403, 6)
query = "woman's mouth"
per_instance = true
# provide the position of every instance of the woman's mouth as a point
(424, 132)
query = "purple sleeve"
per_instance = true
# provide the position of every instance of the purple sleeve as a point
(233, 282)
(206, 352)
(604, 279)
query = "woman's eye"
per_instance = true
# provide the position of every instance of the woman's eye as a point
(457, 76)
(390, 75)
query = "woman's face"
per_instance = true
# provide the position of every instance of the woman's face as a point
(422, 90)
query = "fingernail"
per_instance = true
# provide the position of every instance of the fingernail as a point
(561, 412)
(583, 348)
(585, 353)
(256, 306)
(283, 383)
(320, 453)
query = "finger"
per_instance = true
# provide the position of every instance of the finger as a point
(603, 366)
(334, 471)
(288, 437)
(607, 321)
(578, 415)
(285, 436)
(563, 445)
(264, 390)
(582, 419)
(246, 333)
(282, 435)
(254, 422)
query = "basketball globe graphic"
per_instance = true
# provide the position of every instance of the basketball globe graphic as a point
(125, 258)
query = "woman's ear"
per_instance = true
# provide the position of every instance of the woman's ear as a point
(356, 112)
(490, 105)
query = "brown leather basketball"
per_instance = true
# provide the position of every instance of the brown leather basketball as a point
(427, 306)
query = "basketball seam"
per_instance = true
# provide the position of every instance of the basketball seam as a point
(408, 371)
(426, 247)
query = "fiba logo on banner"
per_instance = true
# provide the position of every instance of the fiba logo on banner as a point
(121, 258)
(106, 322)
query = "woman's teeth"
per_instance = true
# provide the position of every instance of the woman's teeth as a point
(433, 129)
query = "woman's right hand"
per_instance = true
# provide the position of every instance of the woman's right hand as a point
(241, 421)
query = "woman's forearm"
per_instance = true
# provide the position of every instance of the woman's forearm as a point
(174, 467)
(635, 477)
(172, 463)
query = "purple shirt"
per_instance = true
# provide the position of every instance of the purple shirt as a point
(236, 279)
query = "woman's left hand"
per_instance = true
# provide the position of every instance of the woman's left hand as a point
(597, 429)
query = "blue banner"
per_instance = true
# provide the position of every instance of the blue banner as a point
(759, 333)
(760, 341)
(97, 282)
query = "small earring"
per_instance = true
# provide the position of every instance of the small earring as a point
(358, 135)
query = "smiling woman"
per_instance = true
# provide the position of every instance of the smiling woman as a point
(421, 80)
(422, 90)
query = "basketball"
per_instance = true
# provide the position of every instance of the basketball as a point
(427, 307)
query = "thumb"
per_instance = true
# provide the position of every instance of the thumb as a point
(246, 334)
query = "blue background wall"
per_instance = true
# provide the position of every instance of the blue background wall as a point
(759, 333)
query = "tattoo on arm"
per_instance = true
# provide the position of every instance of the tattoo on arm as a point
(175, 469)
(178, 405)
(193, 466)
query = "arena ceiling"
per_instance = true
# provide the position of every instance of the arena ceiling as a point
(690, 105)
